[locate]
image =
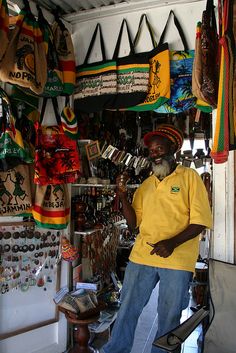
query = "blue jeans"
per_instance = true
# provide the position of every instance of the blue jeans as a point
(139, 282)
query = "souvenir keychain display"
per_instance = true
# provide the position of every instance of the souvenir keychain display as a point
(100, 248)
(28, 256)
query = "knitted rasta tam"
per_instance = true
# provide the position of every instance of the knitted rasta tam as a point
(168, 131)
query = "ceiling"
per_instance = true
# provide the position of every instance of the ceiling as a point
(74, 10)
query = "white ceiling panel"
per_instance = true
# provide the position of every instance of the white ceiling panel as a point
(75, 10)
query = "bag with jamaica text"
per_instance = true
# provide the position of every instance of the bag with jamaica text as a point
(51, 208)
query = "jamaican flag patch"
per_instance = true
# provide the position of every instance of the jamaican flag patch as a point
(175, 189)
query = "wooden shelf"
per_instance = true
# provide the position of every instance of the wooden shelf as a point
(86, 232)
(112, 186)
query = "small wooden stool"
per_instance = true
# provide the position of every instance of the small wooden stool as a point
(82, 334)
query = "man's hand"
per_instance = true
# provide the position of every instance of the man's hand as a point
(121, 182)
(163, 248)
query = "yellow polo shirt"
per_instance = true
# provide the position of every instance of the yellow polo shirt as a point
(164, 209)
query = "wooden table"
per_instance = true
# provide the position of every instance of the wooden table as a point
(82, 334)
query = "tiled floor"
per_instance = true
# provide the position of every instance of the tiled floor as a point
(147, 326)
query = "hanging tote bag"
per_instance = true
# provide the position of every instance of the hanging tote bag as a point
(224, 137)
(132, 75)
(12, 148)
(4, 28)
(159, 72)
(54, 84)
(197, 74)
(181, 63)
(96, 83)
(210, 55)
(24, 62)
(66, 56)
(51, 208)
(15, 192)
(56, 155)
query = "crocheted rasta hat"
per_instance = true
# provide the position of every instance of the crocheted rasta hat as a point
(171, 132)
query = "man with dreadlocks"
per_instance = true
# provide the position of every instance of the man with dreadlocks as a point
(171, 209)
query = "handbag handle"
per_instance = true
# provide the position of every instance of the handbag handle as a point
(210, 10)
(6, 113)
(117, 48)
(56, 14)
(55, 108)
(27, 10)
(98, 28)
(179, 28)
(150, 30)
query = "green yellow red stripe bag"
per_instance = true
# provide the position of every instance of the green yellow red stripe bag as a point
(65, 51)
(132, 74)
(224, 136)
(96, 83)
(51, 208)
(54, 84)
(24, 62)
(159, 72)
(13, 150)
(201, 103)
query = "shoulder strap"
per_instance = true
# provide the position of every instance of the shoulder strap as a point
(150, 30)
(6, 110)
(56, 14)
(27, 10)
(117, 48)
(179, 28)
(210, 9)
(45, 100)
(98, 28)
(55, 108)
(67, 101)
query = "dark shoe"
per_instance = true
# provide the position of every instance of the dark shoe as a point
(195, 308)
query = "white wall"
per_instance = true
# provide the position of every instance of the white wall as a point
(47, 339)
(188, 15)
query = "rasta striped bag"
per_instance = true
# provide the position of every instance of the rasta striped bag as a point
(159, 71)
(66, 56)
(24, 62)
(54, 85)
(132, 75)
(13, 149)
(51, 208)
(96, 83)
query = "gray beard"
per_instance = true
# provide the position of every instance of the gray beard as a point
(161, 170)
